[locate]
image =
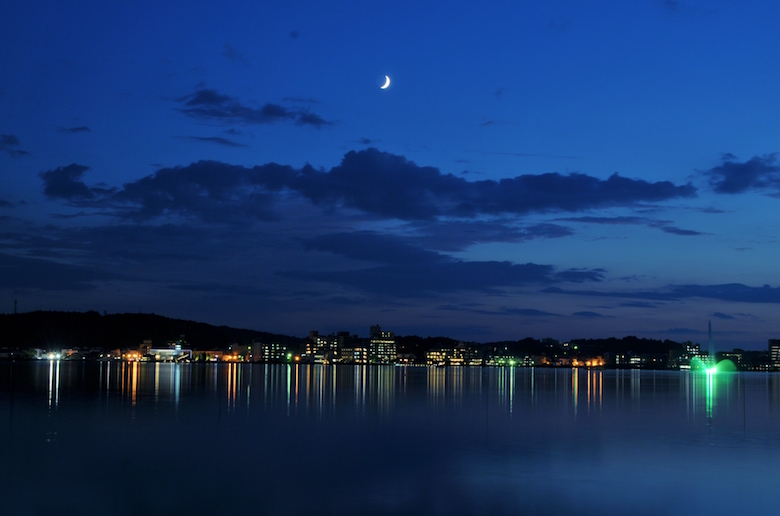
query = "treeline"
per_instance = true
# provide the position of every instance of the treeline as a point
(61, 330)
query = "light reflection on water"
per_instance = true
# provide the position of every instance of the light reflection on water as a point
(385, 439)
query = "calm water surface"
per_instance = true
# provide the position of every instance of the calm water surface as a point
(129, 438)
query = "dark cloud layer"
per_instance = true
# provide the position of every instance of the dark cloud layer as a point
(457, 235)
(376, 183)
(407, 270)
(735, 292)
(31, 273)
(211, 105)
(210, 192)
(757, 173)
(441, 213)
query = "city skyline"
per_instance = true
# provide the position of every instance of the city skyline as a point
(536, 169)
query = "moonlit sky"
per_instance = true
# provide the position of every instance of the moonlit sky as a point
(565, 169)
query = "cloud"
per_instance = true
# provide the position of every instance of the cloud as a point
(31, 273)
(639, 304)
(207, 191)
(581, 275)
(396, 267)
(663, 225)
(215, 139)
(209, 104)
(588, 315)
(504, 310)
(221, 289)
(389, 185)
(678, 231)
(457, 235)
(234, 55)
(5, 204)
(64, 183)
(721, 315)
(757, 173)
(530, 312)
(10, 144)
(73, 130)
(528, 155)
(735, 292)
(376, 184)
(681, 331)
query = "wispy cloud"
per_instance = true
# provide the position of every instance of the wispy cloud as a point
(215, 139)
(73, 130)
(10, 143)
(722, 316)
(34, 273)
(234, 55)
(587, 315)
(735, 292)
(209, 104)
(663, 225)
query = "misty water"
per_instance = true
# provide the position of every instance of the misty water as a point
(161, 438)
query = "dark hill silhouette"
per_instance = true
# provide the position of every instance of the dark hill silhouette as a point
(58, 330)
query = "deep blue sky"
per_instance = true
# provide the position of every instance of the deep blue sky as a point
(539, 168)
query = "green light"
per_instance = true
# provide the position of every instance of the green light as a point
(726, 366)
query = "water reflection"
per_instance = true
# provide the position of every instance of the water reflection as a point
(54, 383)
(475, 434)
(323, 390)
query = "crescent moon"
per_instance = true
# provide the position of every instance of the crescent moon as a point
(386, 84)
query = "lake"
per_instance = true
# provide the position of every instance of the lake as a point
(162, 438)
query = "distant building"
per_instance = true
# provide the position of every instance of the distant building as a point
(381, 346)
(774, 351)
(354, 354)
(174, 352)
(460, 355)
(273, 352)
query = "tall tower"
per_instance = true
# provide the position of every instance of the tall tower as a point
(710, 347)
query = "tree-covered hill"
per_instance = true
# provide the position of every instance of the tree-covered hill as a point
(58, 330)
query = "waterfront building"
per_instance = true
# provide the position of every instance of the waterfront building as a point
(774, 351)
(381, 346)
(273, 352)
(175, 351)
(354, 354)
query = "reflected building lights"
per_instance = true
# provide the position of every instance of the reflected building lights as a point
(328, 391)
(54, 383)
(289, 370)
(575, 388)
(134, 383)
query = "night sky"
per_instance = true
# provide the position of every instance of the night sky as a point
(565, 169)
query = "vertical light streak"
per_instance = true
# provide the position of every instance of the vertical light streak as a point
(574, 389)
(134, 383)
